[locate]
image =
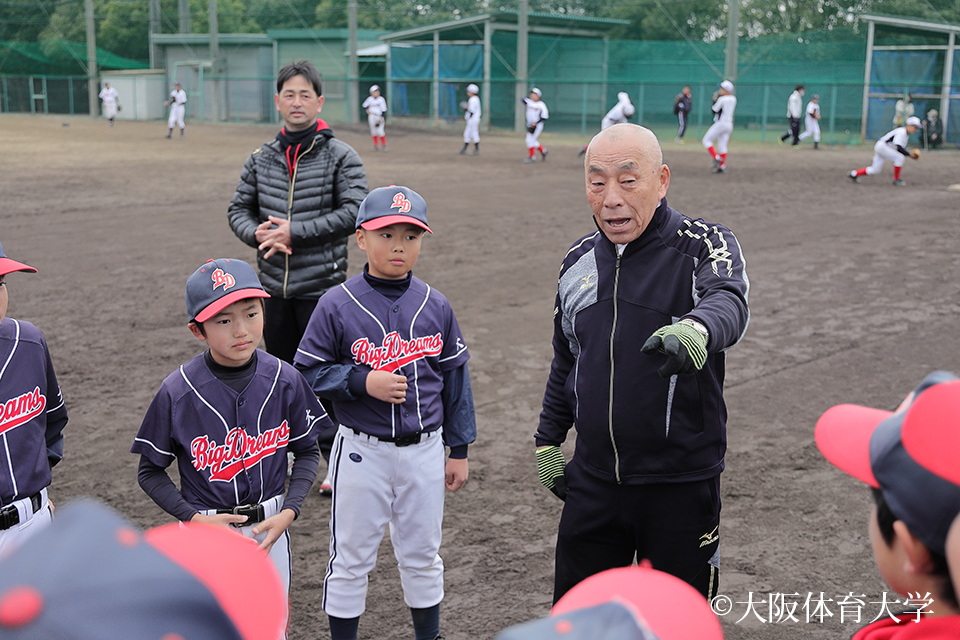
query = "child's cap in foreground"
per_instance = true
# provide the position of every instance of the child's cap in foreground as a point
(9, 266)
(392, 205)
(866, 443)
(218, 284)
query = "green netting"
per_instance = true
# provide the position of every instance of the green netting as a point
(57, 57)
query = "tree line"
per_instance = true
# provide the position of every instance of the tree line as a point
(122, 25)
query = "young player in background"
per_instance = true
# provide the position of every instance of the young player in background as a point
(386, 348)
(472, 113)
(32, 418)
(376, 106)
(811, 125)
(178, 107)
(228, 417)
(110, 100)
(891, 146)
(719, 132)
(618, 114)
(535, 113)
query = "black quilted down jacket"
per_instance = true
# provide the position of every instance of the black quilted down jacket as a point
(320, 197)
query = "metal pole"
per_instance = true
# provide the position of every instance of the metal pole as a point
(766, 110)
(153, 7)
(583, 112)
(485, 87)
(353, 84)
(521, 88)
(435, 103)
(947, 82)
(733, 40)
(867, 71)
(215, 58)
(183, 14)
(833, 110)
(92, 83)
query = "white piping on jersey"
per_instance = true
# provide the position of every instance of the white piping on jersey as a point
(154, 447)
(226, 427)
(416, 369)
(6, 444)
(273, 386)
(310, 355)
(364, 309)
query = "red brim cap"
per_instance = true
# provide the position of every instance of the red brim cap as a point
(9, 266)
(670, 607)
(843, 436)
(222, 303)
(386, 221)
(931, 430)
(258, 613)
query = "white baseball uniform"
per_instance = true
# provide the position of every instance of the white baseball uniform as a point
(888, 148)
(536, 113)
(720, 131)
(471, 131)
(619, 113)
(375, 107)
(178, 101)
(811, 125)
(109, 96)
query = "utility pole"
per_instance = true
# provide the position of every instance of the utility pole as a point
(92, 80)
(353, 84)
(733, 40)
(183, 14)
(153, 7)
(216, 66)
(519, 122)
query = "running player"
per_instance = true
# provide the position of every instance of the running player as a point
(386, 348)
(811, 124)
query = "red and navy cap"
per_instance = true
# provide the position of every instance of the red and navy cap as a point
(877, 447)
(392, 205)
(91, 574)
(9, 266)
(626, 603)
(218, 284)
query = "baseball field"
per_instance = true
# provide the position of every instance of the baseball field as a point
(855, 297)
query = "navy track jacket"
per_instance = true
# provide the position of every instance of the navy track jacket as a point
(633, 426)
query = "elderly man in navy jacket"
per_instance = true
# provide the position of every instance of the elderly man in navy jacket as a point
(646, 307)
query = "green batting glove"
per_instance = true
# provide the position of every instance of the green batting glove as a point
(550, 464)
(684, 345)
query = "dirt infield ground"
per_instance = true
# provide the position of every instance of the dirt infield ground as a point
(854, 298)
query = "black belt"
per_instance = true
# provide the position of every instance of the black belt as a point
(400, 441)
(10, 515)
(254, 513)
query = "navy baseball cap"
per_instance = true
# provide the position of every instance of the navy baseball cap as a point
(868, 444)
(626, 603)
(9, 266)
(91, 574)
(392, 205)
(218, 284)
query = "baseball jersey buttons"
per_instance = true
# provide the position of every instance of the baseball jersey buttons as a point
(241, 402)
(396, 309)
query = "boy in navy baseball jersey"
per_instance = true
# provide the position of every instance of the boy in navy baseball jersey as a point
(385, 347)
(32, 417)
(228, 417)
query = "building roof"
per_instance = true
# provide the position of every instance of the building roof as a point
(472, 28)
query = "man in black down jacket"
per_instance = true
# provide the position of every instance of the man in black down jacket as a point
(297, 203)
(647, 306)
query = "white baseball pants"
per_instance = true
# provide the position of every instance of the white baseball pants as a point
(881, 153)
(718, 133)
(375, 484)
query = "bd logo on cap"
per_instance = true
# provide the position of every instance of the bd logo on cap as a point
(401, 203)
(222, 278)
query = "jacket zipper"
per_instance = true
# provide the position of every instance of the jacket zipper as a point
(293, 182)
(613, 331)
